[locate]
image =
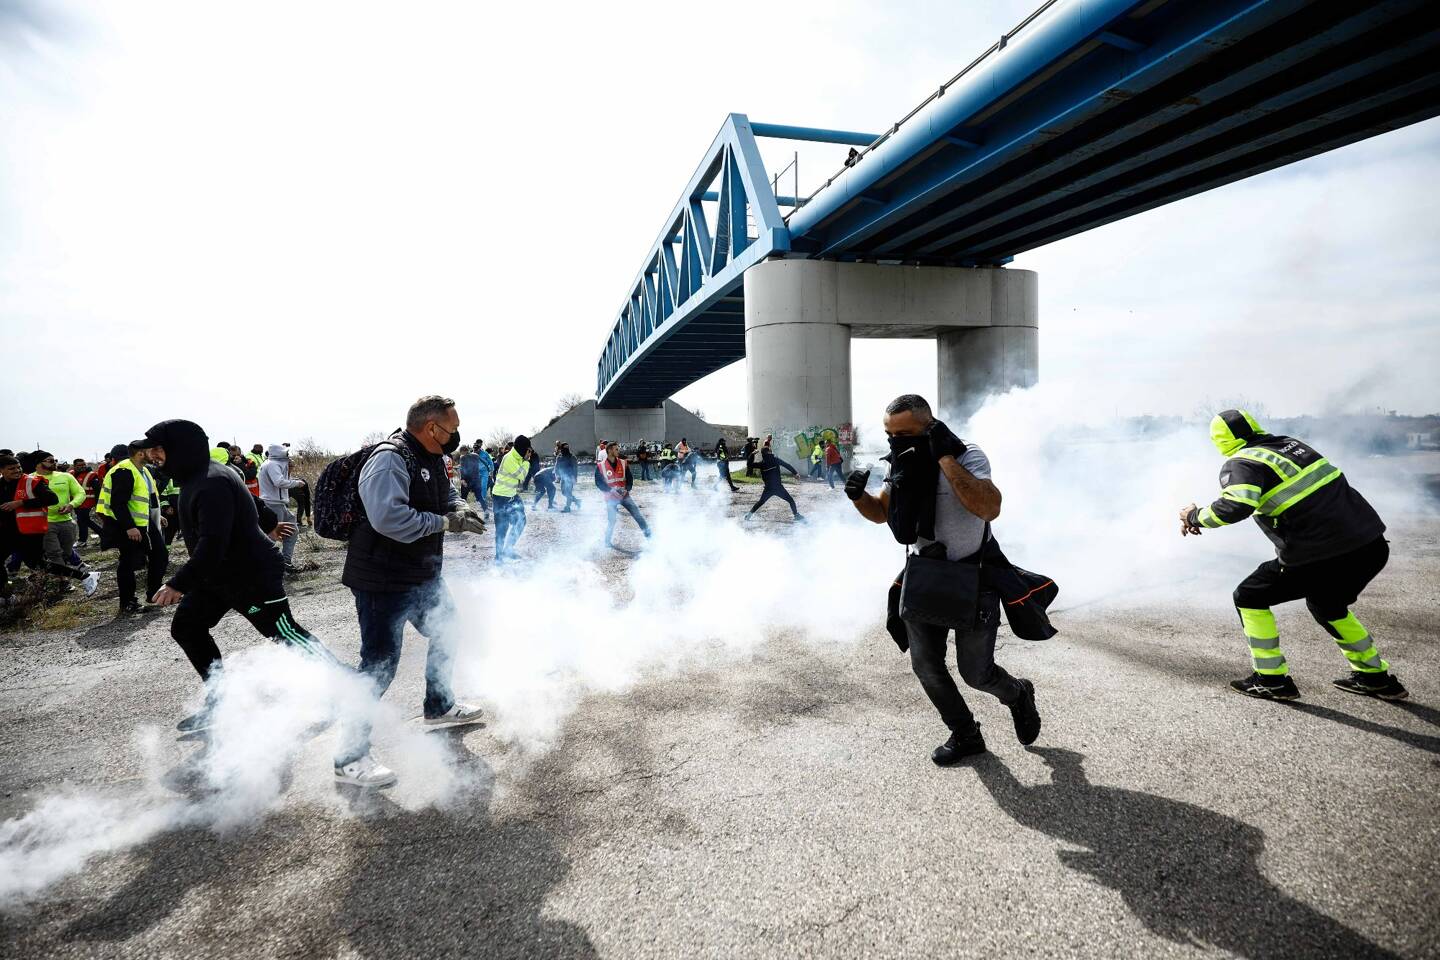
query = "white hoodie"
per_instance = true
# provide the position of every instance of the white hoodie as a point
(275, 479)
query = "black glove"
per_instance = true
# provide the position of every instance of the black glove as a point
(944, 443)
(855, 484)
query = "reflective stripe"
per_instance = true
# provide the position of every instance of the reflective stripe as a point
(510, 475)
(142, 485)
(1246, 493)
(1263, 636)
(1271, 665)
(1291, 492)
(1354, 641)
(1283, 467)
(1259, 624)
(1208, 518)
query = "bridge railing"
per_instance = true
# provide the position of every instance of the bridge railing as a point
(894, 128)
(699, 258)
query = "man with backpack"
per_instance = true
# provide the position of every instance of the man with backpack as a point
(393, 566)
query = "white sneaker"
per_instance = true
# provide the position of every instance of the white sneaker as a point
(90, 583)
(457, 715)
(365, 772)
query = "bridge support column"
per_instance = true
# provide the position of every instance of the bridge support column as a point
(801, 314)
(797, 357)
(975, 362)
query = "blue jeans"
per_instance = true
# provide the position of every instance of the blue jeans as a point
(383, 616)
(479, 484)
(612, 511)
(509, 524)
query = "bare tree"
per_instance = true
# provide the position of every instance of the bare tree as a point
(567, 403)
(498, 437)
(308, 448)
(374, 436)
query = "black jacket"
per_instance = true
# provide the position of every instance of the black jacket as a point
(565, 467)
(1332, 520)
(376, 562)
(770, 466)
(218, 517)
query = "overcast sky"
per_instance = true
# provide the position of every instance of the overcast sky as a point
(286, 220)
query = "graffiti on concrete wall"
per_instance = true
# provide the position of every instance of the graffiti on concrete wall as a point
(843, 436)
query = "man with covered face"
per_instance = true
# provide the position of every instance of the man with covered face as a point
(233, 561)
(939, 499)
(1329, 544)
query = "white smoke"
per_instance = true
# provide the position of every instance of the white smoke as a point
(706, 588)
(1089, 500)
(271, 702)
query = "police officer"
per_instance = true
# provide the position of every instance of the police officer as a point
(1329, 544)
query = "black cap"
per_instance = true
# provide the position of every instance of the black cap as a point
(119, 452)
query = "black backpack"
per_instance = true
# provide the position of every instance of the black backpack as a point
(337, 505)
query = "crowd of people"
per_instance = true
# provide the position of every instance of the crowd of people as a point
(393, 502)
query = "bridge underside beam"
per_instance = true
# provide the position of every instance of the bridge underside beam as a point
(1116, 130)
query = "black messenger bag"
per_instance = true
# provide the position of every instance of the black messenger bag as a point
(938, 591)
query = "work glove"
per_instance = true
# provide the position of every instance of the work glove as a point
(855, 484)
(944, 443)
(464, 520)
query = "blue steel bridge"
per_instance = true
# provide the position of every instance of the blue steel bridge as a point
(1086, 112)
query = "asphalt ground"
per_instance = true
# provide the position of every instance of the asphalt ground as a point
(780, 802)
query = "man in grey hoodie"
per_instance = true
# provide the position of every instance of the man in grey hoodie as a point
(275, 486)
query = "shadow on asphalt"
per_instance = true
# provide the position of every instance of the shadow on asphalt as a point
(1419, 740)
(117, 632)
(442, 881)
(1189, 874)
(454, 882)
(1421, 712)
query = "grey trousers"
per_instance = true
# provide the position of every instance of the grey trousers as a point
(282, 511)
(975, 658)
(60, 540)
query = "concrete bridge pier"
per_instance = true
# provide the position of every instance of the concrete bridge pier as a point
(801, 314)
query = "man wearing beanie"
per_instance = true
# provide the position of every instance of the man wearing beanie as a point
(510, 478)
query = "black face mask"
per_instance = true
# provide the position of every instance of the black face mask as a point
(902, 445)
(450, 445)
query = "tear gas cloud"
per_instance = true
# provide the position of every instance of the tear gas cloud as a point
(270, 703)
(1092, 502)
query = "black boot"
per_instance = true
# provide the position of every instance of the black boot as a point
(959, 746)
(1026, 717)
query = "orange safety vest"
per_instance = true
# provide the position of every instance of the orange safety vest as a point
(35, 521)
(89, 481)
(614, 475)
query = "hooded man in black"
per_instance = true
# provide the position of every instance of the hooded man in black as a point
(234, 563)
(770, 466)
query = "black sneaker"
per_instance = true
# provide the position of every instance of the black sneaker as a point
(1267, 688)
(1026, 717)
(1381, 685)
(129, 606)
(958, 747)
